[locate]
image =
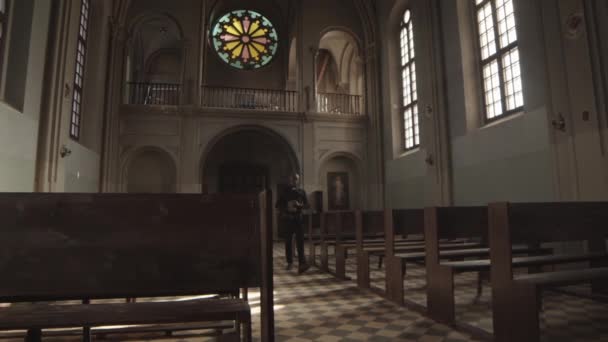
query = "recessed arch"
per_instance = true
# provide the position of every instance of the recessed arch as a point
(347, 53)
(134, 24)
(151, 34)
(341, 163)
(149, 169)
(281, 141)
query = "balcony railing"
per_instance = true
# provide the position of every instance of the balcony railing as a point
(163, 94)
(245, 98)
(168, 94)
(339, 104)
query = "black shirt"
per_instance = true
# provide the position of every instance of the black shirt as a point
(291, 202)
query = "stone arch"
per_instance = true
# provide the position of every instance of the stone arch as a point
(150, 35)
(346, 49)
(345, 31)
(134, 24)
(283, 142)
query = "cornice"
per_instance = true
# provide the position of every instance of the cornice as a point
(137, 111)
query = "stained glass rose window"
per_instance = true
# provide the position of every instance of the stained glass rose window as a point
(245, 39)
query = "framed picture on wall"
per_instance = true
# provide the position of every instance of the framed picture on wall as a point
(338, 197)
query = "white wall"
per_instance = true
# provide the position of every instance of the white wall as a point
(511, 159)
(19, 129)
(508, 160)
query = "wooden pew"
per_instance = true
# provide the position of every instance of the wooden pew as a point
(313, 224)
(400, 221)
(374, 243)
(331, 231)
(103, 246)
(442, 222)
(516, 299)
(408, 222)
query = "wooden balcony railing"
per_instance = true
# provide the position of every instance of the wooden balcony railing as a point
(162, 94)
(339, 104)
(246, 98)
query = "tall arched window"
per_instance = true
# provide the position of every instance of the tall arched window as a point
(501, 71)
(411, 125)
(81, 53)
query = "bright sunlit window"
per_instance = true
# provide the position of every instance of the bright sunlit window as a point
(501, 71)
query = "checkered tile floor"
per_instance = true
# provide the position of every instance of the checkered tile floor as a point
(564, 317)
(317, 307)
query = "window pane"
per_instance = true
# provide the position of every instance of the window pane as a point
(81, 51)
(410, 90)
(502, 81)
(491, 82)
(487, 38)
(512, 77)
(505, 15)
(405, 50)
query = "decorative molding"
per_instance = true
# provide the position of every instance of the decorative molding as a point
(128, 111)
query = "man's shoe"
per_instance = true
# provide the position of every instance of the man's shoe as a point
(303, 268)
(289, 266)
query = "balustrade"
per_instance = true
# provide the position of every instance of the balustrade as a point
(246, 98)
(163, 94)
(339, 103)
(243, 98)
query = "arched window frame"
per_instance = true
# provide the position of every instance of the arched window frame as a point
(409, 87)
(81, 54)
(500, 69)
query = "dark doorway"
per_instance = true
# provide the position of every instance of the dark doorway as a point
(243, 178)
(249, 160)
(247, 178)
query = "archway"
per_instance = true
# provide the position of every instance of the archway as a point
(154, 63)
(151, 171)
(339, 73)
(249, 159)
(252, 149)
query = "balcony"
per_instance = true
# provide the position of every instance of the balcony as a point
(159, 94)
(268, 100)
(245, 98)
(342, 104)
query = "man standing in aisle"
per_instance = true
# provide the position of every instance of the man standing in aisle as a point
(290, 204)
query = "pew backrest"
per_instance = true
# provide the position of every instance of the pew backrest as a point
(338, 224)
(373, 223)
(452, 223)
(535, 223)
(76, 246)
(408, 221)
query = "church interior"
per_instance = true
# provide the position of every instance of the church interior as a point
(453, 155)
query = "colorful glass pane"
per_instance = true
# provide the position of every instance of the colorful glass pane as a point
(245, 39)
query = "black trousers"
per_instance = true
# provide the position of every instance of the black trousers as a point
(291, 227)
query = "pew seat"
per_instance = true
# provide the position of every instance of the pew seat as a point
(564, 278)
(517, 299)
(528, 261)
(469, 253)
(367, 252)
(442, 302)
(47, 316)
(145, 331)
